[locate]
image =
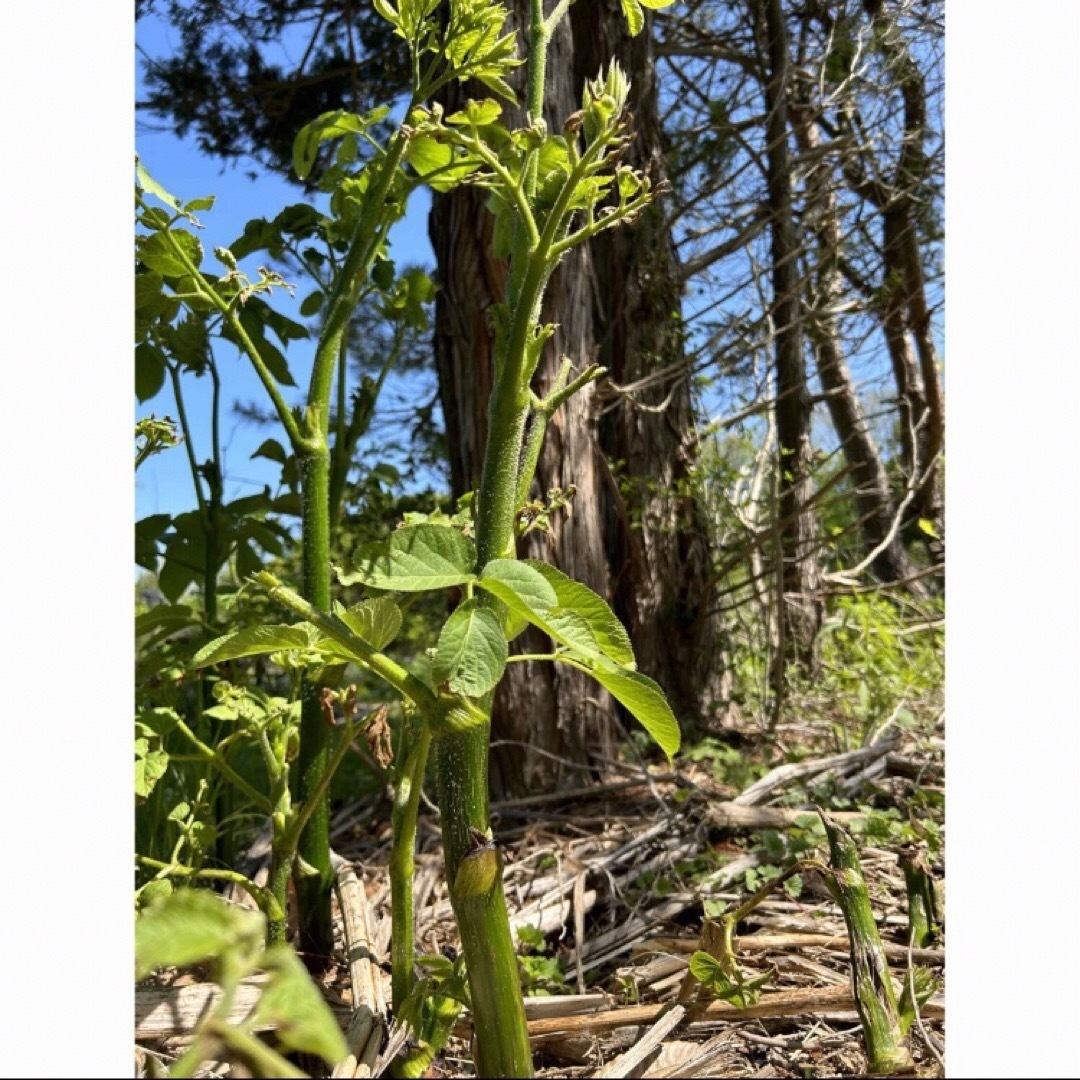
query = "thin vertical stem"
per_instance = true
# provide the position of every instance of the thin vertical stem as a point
(402, 868)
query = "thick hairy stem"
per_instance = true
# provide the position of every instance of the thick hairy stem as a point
(871, 984)
(313, 891)
(474, 870)
(281, 865)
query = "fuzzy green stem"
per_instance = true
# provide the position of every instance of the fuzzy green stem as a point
(388, 670)
(281, 869)
(313, 890)
(476, 892)
(875, 997)
(402, 868)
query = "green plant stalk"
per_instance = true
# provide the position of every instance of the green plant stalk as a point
(311, 447)
(263, 1061)
(388, 670)
(281, 868)
(402, 869)
(476, 892)
(208, 754)
(264, 898)
(313, 890)
(875, 997)
(922, 899)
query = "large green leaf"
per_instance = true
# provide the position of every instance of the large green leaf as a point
(471, 654)
(254, 641)
(564, 609)
(292, 1005)
(644, 699)
(414, 559)
(192, 925)
(610, 634)
(376, 621)
(524, 590)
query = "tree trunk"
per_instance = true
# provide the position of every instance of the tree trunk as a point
(800, 575)
(873, 498)
(630, 535)
(657, 530)
(904, 266)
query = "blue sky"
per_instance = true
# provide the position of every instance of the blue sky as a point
(164, 483)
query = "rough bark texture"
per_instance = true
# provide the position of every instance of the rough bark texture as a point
(798, 526)
(628, 536)
(873, 497)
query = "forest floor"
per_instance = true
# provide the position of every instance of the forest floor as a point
(610, 889)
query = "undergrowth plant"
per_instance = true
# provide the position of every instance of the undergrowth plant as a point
(549, 193)
(195, 927)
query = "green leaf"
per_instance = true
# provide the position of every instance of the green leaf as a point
(386, 10)
(656, 5)
(331, 125)
(645, 700)
(477, 113)
(610, 634)
(704, 967)
(471, 654)
(149, 371)
(174, 616)
(376, 621)
(156, 253)
(192, 925)
(273, 450)
(151, 764)
(148, 531)
(255, 641)
(414, 559)
(247, 562)
(175, 575)
(520, 586)
(312, 303)
(292, 1005)
(151, 186)
(562, 608)
(437, 163)
(635, 17)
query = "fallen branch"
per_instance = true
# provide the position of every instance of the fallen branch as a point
(770, 942)
(785, 1003)
(798, 770)
(625, 1064)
